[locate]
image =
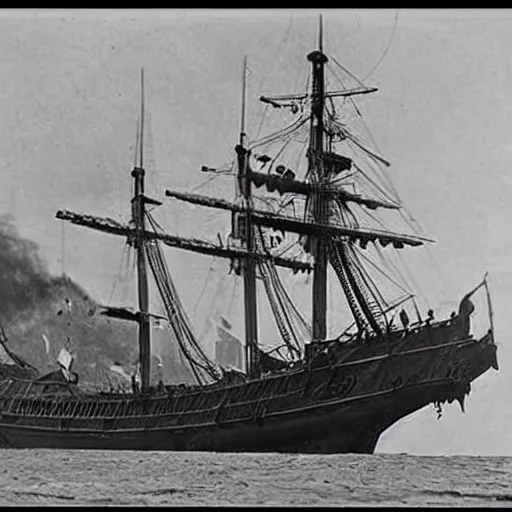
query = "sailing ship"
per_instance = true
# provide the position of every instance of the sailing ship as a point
(314, 393)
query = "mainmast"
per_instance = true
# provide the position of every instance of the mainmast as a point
(318, 60)
(138, 218)
(248, 263)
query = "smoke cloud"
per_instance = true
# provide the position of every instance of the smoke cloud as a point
(37, 319)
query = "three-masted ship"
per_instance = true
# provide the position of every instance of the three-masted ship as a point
(317, 394)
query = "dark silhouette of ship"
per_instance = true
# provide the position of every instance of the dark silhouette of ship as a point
(313, 393)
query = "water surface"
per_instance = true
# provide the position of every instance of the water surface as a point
(82, 477)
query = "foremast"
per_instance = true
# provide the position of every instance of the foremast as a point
(248, 263)
(319, 206)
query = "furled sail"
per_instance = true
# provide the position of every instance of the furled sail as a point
(275, 182)
(364, 235)
(191, 244)
(287, 223)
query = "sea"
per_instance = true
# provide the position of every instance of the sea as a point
(183, 479)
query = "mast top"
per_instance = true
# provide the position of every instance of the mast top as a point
(142, 113)
(320, 33)
(319, 56)
(138, 171)
(244, 101)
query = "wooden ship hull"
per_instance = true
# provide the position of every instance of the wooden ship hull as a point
(342, 406)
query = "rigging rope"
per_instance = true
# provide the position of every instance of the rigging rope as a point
(339, 269)
(204, 183)
(382, 175)
(413, 281)
(290, 323)
(278, 154)
(263, 116)
(213, 310)
(387, 262)
(375, 293)
(123, 264)
(290, 305)
(374, 265)
(285, 38)
(199, 363)
(364, 294)
(277, 313)
(384, 192)
(355, 282)
(286, 305)
(292, 127)
(177, 318)
(411, 222)
(345, 70)
(205, 284)
(386, 50)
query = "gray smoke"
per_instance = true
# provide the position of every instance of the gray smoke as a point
(35, 315)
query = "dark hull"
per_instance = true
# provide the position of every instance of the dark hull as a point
(339, 408)
(347, 429)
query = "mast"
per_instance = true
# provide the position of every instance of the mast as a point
(318, 60)
(138, 218)
(249, 263)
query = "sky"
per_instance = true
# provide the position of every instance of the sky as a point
(69, 102)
